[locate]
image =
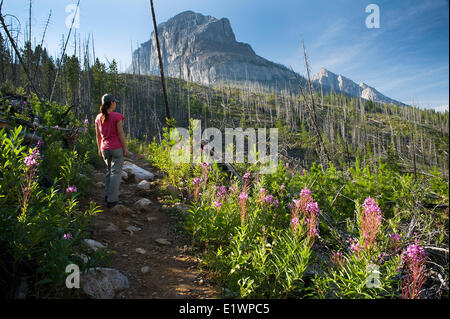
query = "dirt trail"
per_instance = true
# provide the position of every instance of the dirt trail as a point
(155, 270)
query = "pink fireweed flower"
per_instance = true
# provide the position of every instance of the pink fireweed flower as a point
(282, 187)
(67, 236)
(243, 203)
(268, 199)
(71, 189)
(305, 192)
(243, 196)
(295, 208)
(287, 165)
(313, 230)
(395, 237)
(312, 210)
(247, 179)
(262, 194)
(414, 258)
(31, 160)
(218, 205)
(355, 247)
(295, 223)
(395, 240)
(369, 201)
(276, 202)
(414, 252)
(222, 191)
(337, 258)
(312, 207)
(204, 167)
(31, 164)
(86, 121)
(303, 171)
(196, 181)
(370, 222)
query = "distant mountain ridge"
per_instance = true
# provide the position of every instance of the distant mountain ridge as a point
(204, 49)
(330, 81)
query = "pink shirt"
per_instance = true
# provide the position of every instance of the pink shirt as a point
(108, 130)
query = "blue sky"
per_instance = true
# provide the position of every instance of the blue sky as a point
(407, 58)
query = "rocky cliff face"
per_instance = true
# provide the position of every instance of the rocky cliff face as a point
(329, 81)
(206, 48)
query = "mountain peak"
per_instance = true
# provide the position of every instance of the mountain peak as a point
(205, 48)
(332, 82)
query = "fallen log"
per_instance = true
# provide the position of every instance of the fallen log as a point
(69, 137)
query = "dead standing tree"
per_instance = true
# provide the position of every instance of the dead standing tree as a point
(322, 151)
(161, 69)
(16, 50)
(63, 53)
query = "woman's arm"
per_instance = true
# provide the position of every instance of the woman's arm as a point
(99, 140)
(122, 138)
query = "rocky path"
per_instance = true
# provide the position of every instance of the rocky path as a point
(150, 252)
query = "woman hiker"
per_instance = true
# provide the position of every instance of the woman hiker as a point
(112, 146)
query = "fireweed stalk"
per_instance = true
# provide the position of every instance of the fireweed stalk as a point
(395, 241)
(370, 222)
(337, 259)
(243, 203)
(310, 213)
(295, 208)
(414, 258)
(312, 209)
(31, 164)
(196, 181)
(262, 195)
(204, 167)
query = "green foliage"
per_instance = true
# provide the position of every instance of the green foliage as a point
(34, 219)
(360, 278)
(262, 257)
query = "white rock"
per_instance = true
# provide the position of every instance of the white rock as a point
(139, 173)
(120, 209)
(111, 228)
(94, 245)
(133, 229)
(143, 204)
(145, 269)
(144, 185)
(141, 251)
(163, 242)
(103, 283)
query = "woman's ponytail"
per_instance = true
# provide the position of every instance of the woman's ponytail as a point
(104, 111)
(107, 101)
